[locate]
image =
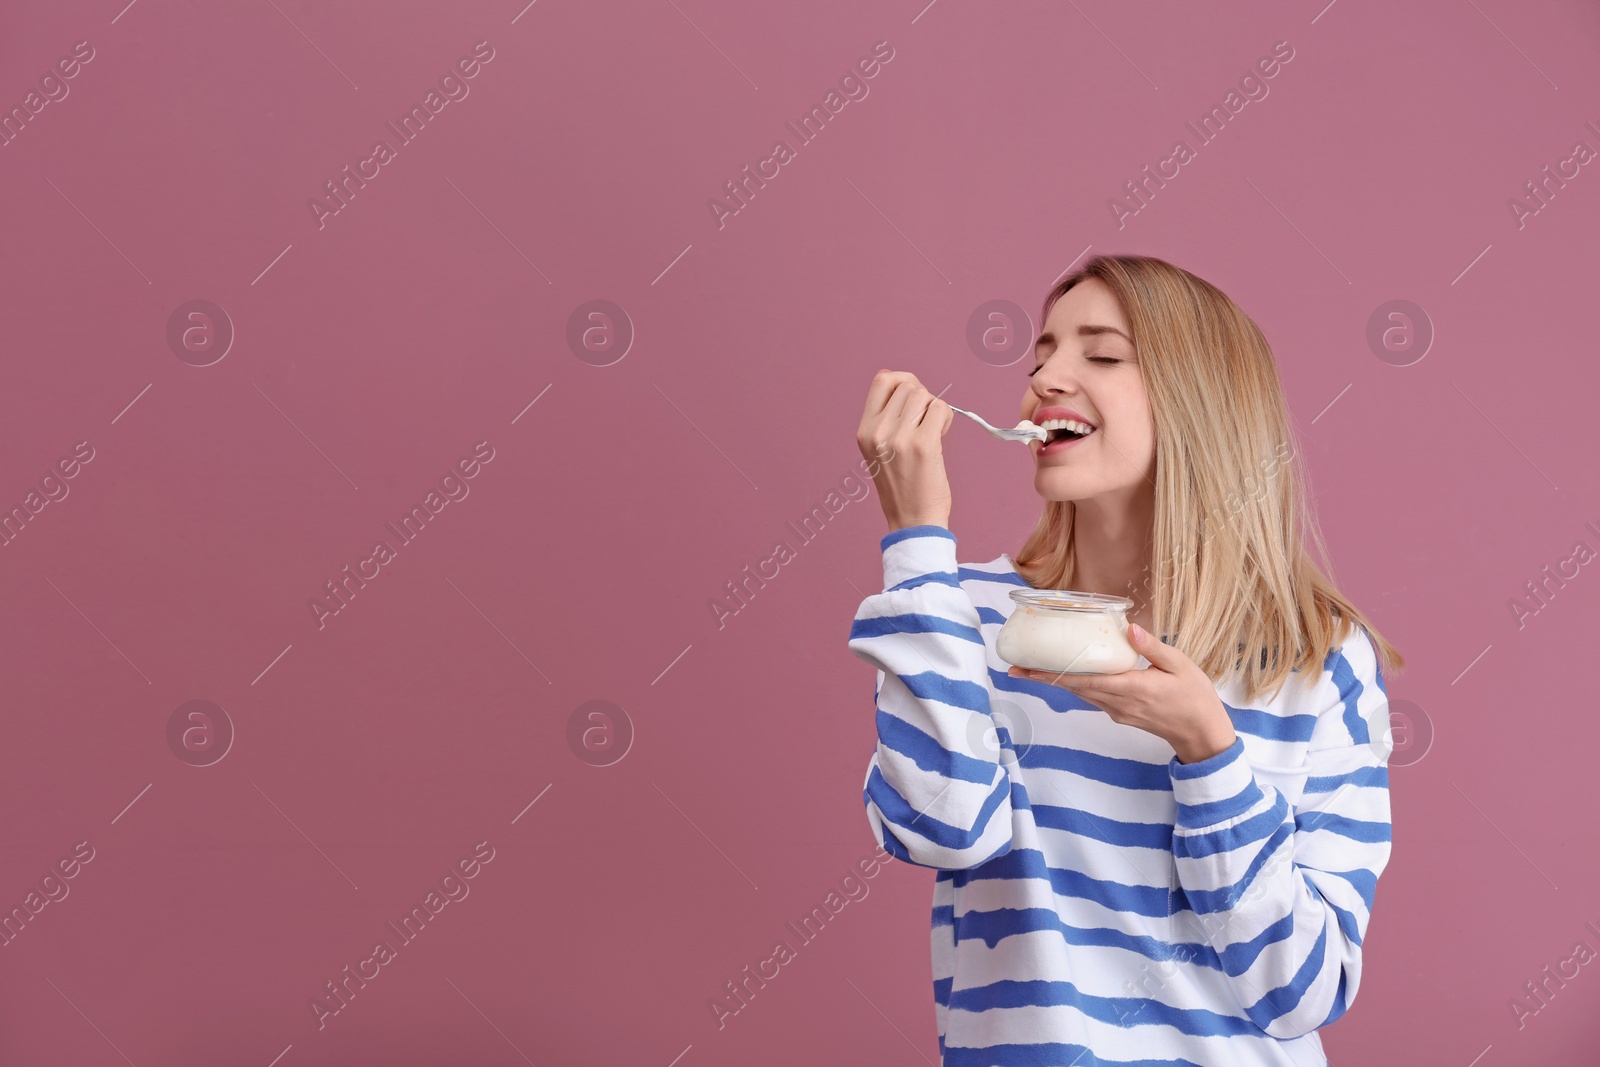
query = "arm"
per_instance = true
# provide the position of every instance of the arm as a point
(930, 800)
(1284, 895)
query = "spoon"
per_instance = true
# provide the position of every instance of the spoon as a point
(1024, 431)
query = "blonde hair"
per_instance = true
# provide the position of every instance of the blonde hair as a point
(1232, 521)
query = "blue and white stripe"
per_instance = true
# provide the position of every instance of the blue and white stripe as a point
(1097, 902)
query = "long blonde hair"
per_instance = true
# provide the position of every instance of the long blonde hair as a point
(1232, 522)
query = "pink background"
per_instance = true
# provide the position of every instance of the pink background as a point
(371, 354)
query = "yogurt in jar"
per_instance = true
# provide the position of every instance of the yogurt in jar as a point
(1067, 632)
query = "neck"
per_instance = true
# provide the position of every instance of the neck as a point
(1111, 549)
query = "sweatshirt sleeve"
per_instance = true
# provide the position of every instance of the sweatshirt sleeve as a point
(935, 796)
(1283, 893)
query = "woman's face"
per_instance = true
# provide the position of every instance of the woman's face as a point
(1088, 371)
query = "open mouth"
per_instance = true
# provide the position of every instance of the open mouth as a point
(1065, 430)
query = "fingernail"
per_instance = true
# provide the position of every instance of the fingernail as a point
(1136, 630)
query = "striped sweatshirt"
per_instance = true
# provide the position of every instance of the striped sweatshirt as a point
(1096, 901)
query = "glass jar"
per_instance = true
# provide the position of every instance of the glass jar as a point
(1067, 632)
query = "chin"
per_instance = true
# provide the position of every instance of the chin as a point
(1052, 486)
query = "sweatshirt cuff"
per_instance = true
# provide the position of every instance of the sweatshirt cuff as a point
(916, 551)
(1214, 789)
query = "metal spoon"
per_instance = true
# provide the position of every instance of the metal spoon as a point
(1025, 430)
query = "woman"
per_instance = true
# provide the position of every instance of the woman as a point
(1170, 865)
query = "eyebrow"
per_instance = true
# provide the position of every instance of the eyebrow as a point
(1086, 330)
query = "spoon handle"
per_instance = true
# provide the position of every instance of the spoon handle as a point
(975, 418)
(1002, 434)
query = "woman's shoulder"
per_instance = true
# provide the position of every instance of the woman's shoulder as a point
(1352, 659)
(1347, 694)
(1350, 663)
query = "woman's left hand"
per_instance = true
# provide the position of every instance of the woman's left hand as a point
(1172, 699)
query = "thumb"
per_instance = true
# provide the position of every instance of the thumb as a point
(1144, 643)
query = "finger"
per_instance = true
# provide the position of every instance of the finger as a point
(1072, 683)
(1099, 688)
(872, 434)
(1160, 655)
(894, 411)
(882, 386)
(1090, 690)
(925, 425)
(933, 417)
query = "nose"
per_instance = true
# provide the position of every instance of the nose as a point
(1051, 381)
(1046, 386)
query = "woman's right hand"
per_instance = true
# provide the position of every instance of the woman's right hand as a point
(901, 430)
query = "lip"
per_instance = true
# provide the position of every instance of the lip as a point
(1058, 446)
(1045, 414)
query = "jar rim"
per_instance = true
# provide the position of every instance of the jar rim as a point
(1071, 600)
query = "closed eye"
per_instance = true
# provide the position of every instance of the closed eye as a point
(1092, 359)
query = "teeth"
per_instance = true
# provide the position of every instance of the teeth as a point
(1066, 424)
